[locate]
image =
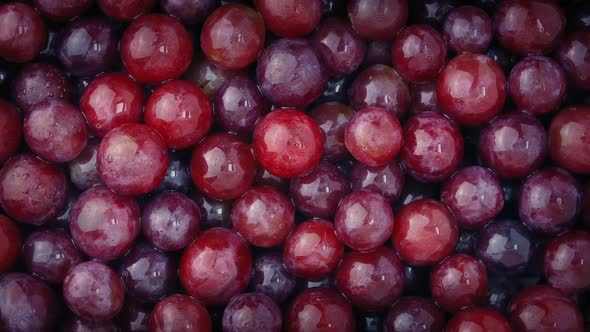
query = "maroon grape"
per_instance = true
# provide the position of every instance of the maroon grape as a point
(38, 82)
(104, 225)
(264, 216)
(50, 254)
(32, 191)
(170, 221)
(93, 291)
(222, 166)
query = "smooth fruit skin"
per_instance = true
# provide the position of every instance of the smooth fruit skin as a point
(179, 313)
(364, 220)
(550, 201)
(181, 112)
(318, 193)
(513, 145)
(252, 312)
(233, 36)
(287, 143)
(542, 308)
(471, 89)
(419, 52)
(264, 216)
(458, 282)
(433, 147)
(214, 213)
(425, 232)
(125, 10)
(537, 84)
(73, 323)
(104, 225)
(290, 18)
(171, 221)
(412, 314)
(11, 130)
(271, 278)
(110, 100)
(372, 280)
(573, 57)
(132, 159)
(50, 254)
(239, 105)
(147, 273)
(40, 81)
(208, 76)
(566, 262)
(423, 96)
(291, 73)
(27, 304)
(312, 250)
(380, 86)
(23, 34)
(386, 180)
(32, 191)
(223, 166)
(188, 11)
(93, 291)
(529, 26)
(216, 266)
(569, 139)
(319, 309)
(332, 118)
(10, 243)
(342, 48)
(474, 195)
(506, 247)
(88, 46)
(55, 130)
(483, 319)
(82, 170)
(373, 136)
(62, 11)
(145, 61)
(381, 20)
(468, 29)
(431, 12)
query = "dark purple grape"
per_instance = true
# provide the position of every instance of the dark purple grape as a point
(505, 247)
(88, 46)
(291, 73)
(332, 118)
(318, 193)
(270, 277)
(38, 82)
(135, 316)
(178, 177)
(50, 254)
(188, 11)
(82, 169)
(26, 304)
(413, 314)
(550, 201)
(171, 221)
(416, 280)
(214, 213)
(252, 312)
(387, 180)
(239, 105)
(76, 324)
(342, 48)
(466, 243)
(148, 274)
